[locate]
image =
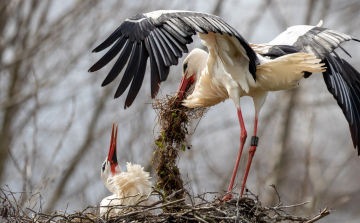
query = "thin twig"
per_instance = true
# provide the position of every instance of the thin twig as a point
(322, 214)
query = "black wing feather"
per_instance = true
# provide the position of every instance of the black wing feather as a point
(208, 25)
(130, 70)
(193, 25)
(119, 65)
(177, 35)
(170, 51)
(212, 24)
(146, 28)
(345, 51)
(176, 51)
(183, 27)
(139, 76)
(280, 50)
(161, 49)
(200, 23)
(155, 78)
(109, 55)
(223, 27)
(137, 33)
(110, 40)
(232, 30)
(128, 27)
(182, 47)
(166, 49)
(163, 69)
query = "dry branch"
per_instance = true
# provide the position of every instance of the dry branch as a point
(240, 209)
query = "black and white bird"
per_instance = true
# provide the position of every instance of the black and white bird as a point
(230, 69)
(128, 187)
(342, 80)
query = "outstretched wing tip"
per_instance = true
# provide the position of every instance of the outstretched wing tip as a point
(99, 48)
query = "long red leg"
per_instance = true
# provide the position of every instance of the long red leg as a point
(252, 151)
(243, 136)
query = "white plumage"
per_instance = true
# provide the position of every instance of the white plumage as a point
(285, 72)
(130, 187)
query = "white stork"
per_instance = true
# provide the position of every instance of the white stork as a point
(231, 69)
(127, 187)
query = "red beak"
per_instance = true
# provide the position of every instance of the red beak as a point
(112, 151)
(184, 85)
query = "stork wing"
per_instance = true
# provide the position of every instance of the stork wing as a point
(341, 79)
(343, 82)
(162, 36)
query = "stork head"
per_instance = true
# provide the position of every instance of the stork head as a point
(110, 166)
(193, 64)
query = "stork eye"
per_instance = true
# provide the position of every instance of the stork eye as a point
(103, 166)
(185, 67)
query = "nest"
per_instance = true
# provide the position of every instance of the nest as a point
(173, 120)
(199, 209)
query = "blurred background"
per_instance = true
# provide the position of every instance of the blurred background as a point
(55, 119)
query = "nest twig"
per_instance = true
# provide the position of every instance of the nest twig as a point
(200, 209)
(173, 120)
